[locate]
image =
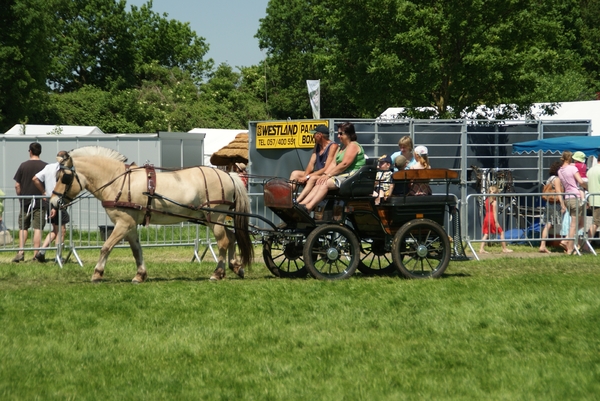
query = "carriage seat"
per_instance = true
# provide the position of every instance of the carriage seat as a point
(362, 183)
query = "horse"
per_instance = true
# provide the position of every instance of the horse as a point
(133, 196)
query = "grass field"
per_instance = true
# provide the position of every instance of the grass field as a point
(518, 328)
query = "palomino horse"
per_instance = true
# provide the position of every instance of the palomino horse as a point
(135, 195)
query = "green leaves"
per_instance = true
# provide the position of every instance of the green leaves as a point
(453, 57)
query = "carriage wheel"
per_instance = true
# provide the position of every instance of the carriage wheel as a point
(283, 256)
(375, 260)
(332, 252)
(421, 249)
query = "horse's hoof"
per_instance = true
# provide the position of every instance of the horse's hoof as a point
(241, 272)
(139, 278)
(218, 274)
(96, 278)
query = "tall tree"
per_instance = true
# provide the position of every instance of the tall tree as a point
(452, 56)
(93, 46)
(99, 43)
(169, 43)
(301, 45)
(24, 58)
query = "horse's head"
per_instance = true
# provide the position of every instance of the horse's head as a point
(68, 185)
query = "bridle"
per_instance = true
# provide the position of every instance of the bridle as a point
(67, 179)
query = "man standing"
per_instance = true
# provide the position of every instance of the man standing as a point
(593, 176)
(30, 214)
(45, 181)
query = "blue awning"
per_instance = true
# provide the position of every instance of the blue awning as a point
(590, 145)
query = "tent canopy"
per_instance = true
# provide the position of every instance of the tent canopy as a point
(590, 145)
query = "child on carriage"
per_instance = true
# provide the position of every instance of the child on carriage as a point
(383, 179)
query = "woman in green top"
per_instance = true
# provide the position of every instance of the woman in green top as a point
(350, 157)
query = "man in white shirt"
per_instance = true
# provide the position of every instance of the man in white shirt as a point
(45, 181)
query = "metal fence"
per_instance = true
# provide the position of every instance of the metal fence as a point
(89, 227)
(523, 218)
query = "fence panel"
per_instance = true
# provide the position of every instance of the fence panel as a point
(527, 219)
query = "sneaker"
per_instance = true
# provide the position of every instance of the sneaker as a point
(39, 258)
(19, 258)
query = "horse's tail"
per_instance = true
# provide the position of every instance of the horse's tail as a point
(241, 222)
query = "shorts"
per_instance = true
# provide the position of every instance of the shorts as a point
(596, 218)
(64, 217)
(32, 219)
(574, 206)
(339, 179)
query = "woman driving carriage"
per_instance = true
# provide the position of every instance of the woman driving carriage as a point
(349, 158)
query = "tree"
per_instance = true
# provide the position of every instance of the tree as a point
(93, 46)
(230, 99)
(301, 45)
(453, 57)
(100, 44)
(24, 59)
(169, 43)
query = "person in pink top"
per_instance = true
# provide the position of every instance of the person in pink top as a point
(570, 179)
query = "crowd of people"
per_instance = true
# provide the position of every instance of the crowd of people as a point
(330, 165)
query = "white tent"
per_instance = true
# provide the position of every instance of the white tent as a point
(587, 110)
(43, 130)
(215, 139)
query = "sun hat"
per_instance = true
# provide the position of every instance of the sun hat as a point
(320, 129)
(579, 156)
(385, 159)
(421, 150)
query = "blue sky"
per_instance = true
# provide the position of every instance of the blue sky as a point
(228, 26)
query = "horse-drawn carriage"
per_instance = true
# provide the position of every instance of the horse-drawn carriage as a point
(349, 231)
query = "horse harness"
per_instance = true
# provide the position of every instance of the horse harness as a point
(150, 172)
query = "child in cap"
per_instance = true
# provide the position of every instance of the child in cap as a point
(383, 179)
(579, 159)
(420, 188)
(421, 158)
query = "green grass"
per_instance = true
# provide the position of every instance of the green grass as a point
(495, 329)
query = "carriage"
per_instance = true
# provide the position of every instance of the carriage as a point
(348, 231)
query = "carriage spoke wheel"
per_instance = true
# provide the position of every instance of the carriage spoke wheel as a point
(375, 260)
(421, 249)
(332, 252)
(283, 256)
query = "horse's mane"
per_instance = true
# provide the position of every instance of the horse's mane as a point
(98, 151)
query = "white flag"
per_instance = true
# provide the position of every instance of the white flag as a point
(314, 94)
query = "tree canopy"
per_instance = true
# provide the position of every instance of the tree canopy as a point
(453, 56)
(96, 62)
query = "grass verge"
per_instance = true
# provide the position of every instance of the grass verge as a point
(495, 329)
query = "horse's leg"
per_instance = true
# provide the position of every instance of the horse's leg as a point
(117, 235)
(234, 263)
(134, 243)
(222, 243)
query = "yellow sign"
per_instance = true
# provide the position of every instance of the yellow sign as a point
(286, 135)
